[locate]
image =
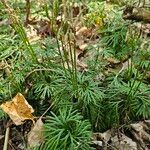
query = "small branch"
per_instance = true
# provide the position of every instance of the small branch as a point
(47, 110)
(6, 138)
(36, 70)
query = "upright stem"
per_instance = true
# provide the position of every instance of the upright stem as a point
(16, 24)
(6, 138)
(65, 7)
(27, 12)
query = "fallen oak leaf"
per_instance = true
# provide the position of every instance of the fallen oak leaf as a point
(18, 109)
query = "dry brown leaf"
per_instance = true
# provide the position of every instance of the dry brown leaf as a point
(83, 46)
(35, 136)
(136, 138)
(121, 142)
(140, 130)
(32, 34)
(82, 31)
(18, 109)
(124, 143)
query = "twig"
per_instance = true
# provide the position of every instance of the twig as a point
(6, 138)
(36, 70)
(47, 110)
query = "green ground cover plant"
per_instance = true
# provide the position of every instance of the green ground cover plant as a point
(83, 100)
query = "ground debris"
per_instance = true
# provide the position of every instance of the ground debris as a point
(136, 137)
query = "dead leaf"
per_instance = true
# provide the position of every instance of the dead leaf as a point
(83, 46)
(18, 109)
(82, 31)
(124, 143)
(121, 142)
(141, 130)
(137, 137)
(35, 136)
(32, 34)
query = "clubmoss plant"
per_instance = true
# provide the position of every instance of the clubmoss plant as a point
(67, 130)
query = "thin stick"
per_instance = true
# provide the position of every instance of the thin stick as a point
(47, 110)
(36, 70)
(6, 138)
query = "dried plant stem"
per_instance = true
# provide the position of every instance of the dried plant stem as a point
(37, 70)
(18, 27)
(6, 138)
(47, 110)
(27, 12)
